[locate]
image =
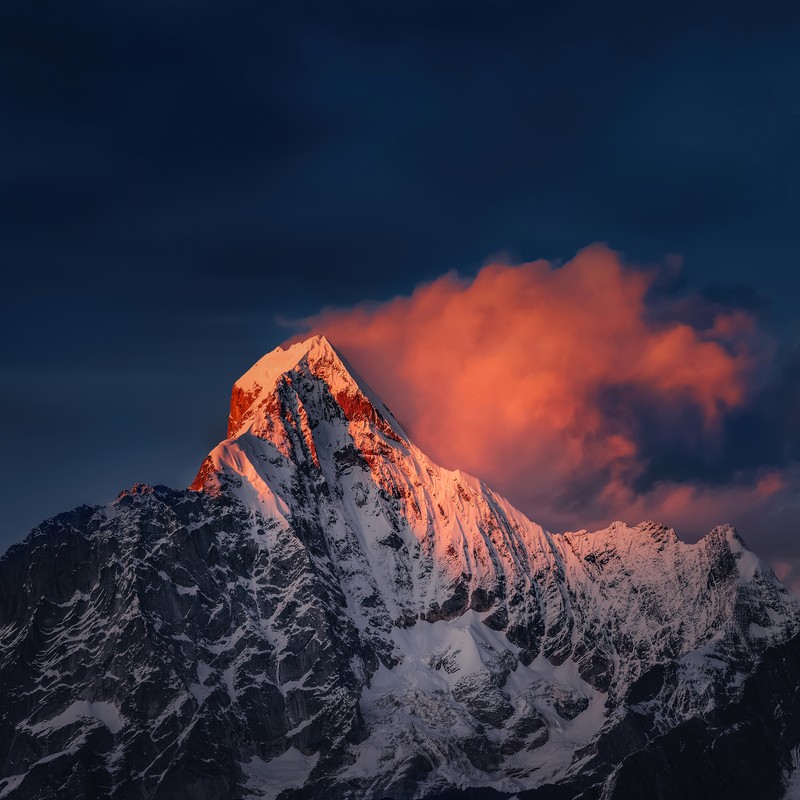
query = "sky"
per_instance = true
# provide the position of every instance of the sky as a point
(568, 228)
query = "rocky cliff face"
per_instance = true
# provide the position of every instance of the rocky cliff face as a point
(327, 613)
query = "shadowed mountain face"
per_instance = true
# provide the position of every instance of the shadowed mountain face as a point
(327, 613)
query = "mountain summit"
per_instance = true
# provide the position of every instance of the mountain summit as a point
(319, 358)
(327, 613)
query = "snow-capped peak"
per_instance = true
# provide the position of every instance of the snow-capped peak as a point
(415, 541)
(271, 366)
(466, 601)
(333, 613)
(319, 357)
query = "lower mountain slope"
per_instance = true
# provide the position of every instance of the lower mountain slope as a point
(327, 613)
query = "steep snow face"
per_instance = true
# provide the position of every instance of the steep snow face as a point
(329, 613)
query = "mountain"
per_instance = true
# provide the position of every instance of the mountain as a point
(326, 613)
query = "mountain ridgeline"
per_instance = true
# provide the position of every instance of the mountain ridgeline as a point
(326, 613)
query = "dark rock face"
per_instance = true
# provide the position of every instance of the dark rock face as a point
(328, 614)
(134, 652)
(746, 749)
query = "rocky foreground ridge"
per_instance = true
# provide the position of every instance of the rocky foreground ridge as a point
(326, 613)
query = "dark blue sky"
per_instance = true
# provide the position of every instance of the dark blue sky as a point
(178, 178)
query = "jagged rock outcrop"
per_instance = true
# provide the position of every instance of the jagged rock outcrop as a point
(327, 613)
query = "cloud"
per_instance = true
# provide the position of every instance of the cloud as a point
(567, 390)
(782, 569)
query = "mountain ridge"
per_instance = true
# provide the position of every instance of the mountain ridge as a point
(328, 610)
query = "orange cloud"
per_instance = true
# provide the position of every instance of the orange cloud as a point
(504, 376)
(693, 509)
(782, 569)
